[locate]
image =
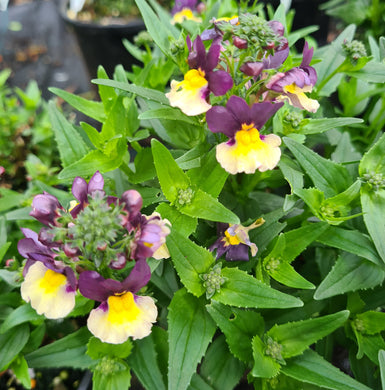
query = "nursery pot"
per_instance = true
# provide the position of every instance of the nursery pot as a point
(102, 44)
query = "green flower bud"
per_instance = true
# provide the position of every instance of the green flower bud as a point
(375, 180)
(213, 280)
(354, 50)
(273, 349)
(185, 196)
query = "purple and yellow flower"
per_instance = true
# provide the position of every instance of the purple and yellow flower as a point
(234, 241)
(191, 94)
(48, 285)
(247, 149)
(295, 83)
(122, 313)
(183, 10)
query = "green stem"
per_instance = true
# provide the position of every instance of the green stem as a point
(126, 169)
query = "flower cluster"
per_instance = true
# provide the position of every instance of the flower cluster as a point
(238, 82)
(99, 248)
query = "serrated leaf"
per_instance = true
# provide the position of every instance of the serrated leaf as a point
(189, 337)
(374, 159)
(327, 176)
(143, 361)
(350, 273)
(190, 260)
(372, 322)
(11, 343)
(70, 144)
(312, 368)
(70, 351)
(287, 275)
(90, 108)
(205, 206)
(144, 92)
(89, 164)
(243, 290)
(295, 337)
(264, 366)
(181, 223)
(320, 125)
(96, 349)
(372, 72)
(351, 241)
(238, 326)
(373, 207)
(171, 177)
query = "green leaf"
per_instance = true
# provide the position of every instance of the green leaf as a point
(238, 326)
(190, 332)
(350, 273)
(118, 380)
(146, 93)
(20, 368)
(198, 383)
(381, 359)
(158, 31)
(11, 343)
(373, 207)
(70, 144)
(190, 260)
(205, 206)
(374, 159)
(90, 108)
(143, 361)
(351, 241)
(372, 322)
(369, 345)
(181, 223)
(22, 314)
(327, 176)
(89, 164)
(96, 349)
(316, 126)
(372, 72)
(243, 290)
(219, 368)
(312, 368)
(287, 275)
(295, 337)
(171, 177)
(291, 172)
(174, 114)
(264, 366)
(70, 351)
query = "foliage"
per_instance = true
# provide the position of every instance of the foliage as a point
(276, 250)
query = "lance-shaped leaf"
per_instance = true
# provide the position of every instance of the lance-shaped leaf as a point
(144, 363)
(190, 331)
(369, 345)
(70, 144)
(315, 126)
(11, 343)
(243, 290)
(351, 241)
(371, 322)
(190, 261)
(350, 273)
(239, 327)
(373, 207)
(295, 337)
(381, 360)
(312, 368)
(177, 188)
(374, 159)
(327, 176)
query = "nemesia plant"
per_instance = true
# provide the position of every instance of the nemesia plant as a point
(221, 227)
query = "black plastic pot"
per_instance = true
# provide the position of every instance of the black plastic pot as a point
(102, 44)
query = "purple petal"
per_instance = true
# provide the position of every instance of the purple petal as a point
(261, 112)
(275, 61)
(91, 286)
(252, 68)
(44, 208)
(133, 202)
(238, 253)
(189, 43)
(139, 276)
(240, 109)
(79, 189)
(219, 82)
(96, 183)
(71, 277)
(210, 34)
(221, 120)
(277, 27)
(307, 55)
(212, 58)
(312, 74)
